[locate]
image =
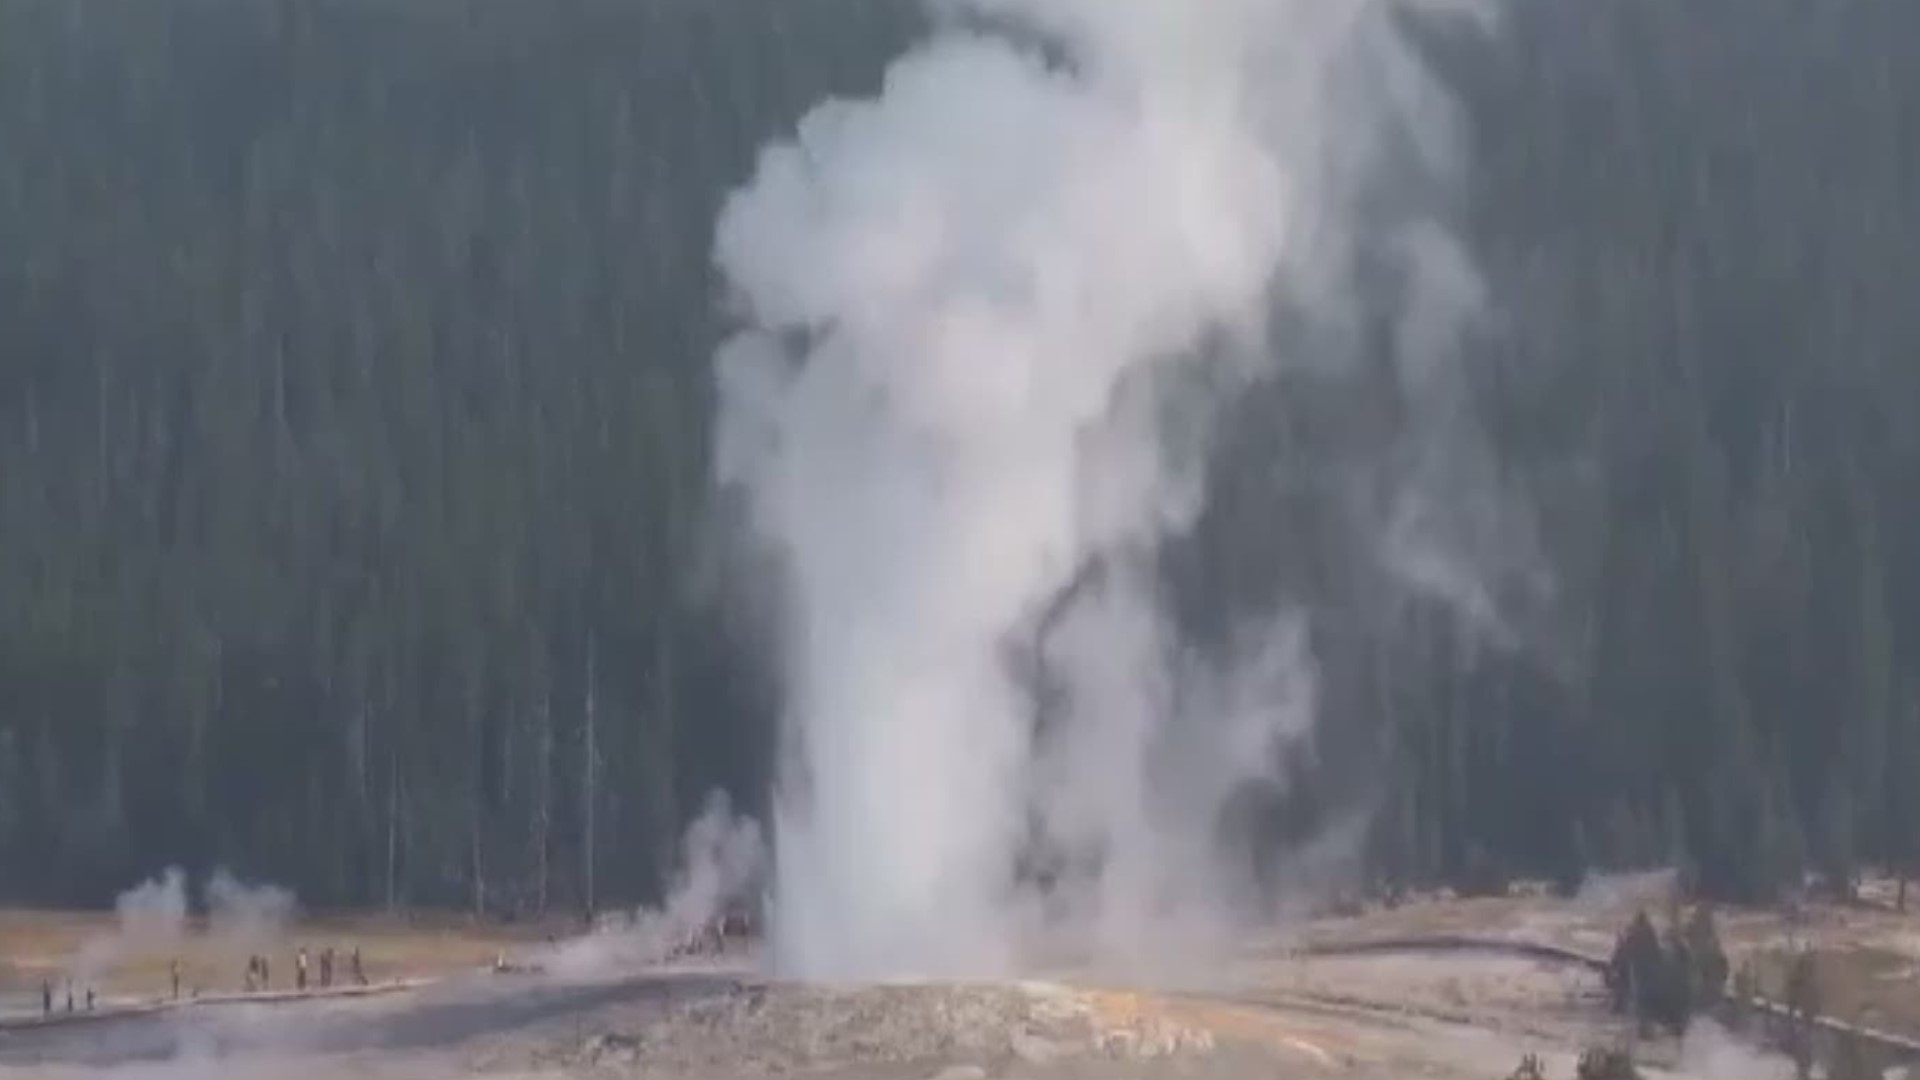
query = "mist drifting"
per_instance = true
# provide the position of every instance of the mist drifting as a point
(989, 315)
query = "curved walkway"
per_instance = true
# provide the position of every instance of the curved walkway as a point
(1448, 943)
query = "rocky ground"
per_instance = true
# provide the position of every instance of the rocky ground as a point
(950, 1031)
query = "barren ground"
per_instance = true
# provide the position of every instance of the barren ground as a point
(40, 945)
(1266, 1010)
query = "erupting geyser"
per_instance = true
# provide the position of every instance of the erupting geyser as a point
(977, 308)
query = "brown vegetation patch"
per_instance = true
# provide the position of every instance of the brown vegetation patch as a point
(41, 945)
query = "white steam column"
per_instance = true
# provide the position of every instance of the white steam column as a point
(968, 303)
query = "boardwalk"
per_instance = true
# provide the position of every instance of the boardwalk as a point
(130, 1010)
(1887, 1047)
(1448, 943)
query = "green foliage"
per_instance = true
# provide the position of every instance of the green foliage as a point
(1708, 956)
(1804, 1003)
(1661, 983)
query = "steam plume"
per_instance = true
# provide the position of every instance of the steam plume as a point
(244, 914)
(149, 917)
(987, 313)
(721, 868)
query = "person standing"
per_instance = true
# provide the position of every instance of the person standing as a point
(46, 997)
(300, 970)
(174, 971)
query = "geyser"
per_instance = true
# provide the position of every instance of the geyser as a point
(984, 313)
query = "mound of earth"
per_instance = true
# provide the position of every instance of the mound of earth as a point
(952, 1030)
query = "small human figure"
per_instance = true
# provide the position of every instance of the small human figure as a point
(326, 968)
(174, 971)
(69, 995)
(89, 999)
(46, 997)
(300, 970)
(359, 973)
(266, 974)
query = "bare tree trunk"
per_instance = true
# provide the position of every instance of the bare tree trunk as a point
(665, 824)
(477, 869)
(364, 804)
(543, 850)
(590, 768)
(393, 826)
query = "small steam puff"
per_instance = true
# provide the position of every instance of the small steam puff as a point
(247, 914)
(722, 861)
(1711, 1052)
(151, 918)
(976, 305)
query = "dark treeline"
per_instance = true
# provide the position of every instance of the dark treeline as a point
(1701, 222)
(356, 523)
(353, 401)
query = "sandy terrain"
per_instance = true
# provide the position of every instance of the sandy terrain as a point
(1269, 1010)
(720, 1023)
